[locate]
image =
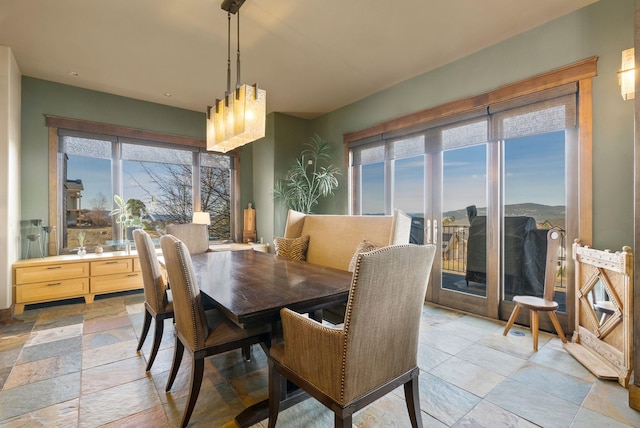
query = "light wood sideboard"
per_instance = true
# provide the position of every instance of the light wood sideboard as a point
(63, 277)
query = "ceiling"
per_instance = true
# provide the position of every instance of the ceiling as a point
(312, 56)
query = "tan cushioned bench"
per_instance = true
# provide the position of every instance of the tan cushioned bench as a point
(333, 239)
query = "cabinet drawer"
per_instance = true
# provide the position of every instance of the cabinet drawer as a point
(52, 290)
(109, 283)
(108, 267)
(51, 273)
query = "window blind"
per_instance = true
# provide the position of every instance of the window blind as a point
(88, 147)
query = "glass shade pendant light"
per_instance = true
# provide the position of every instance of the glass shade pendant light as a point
(249, 112)
(240, 117)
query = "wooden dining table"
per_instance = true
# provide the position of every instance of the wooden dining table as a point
(251, 287)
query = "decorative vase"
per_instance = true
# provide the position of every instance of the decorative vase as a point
(129, 232)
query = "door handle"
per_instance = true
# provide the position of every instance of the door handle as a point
(427, 231)
(435, 231)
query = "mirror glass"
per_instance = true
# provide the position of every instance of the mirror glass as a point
(600, 302)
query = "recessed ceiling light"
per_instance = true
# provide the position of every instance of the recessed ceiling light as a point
(168, 94)
(73, 73)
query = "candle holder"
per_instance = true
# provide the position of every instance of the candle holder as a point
(34, 235)
(51, 238)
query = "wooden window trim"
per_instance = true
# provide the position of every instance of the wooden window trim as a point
(121, 131)
(54, 123)
(578, 71)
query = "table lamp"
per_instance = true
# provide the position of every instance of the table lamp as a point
(201, 217)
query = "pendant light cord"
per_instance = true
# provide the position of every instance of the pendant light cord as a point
(228, 53)
(238, 53)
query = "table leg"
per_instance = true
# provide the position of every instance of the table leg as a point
(291, 394)
(316, 315)
(260, 411)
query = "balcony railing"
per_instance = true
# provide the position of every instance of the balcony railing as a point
(454, 241)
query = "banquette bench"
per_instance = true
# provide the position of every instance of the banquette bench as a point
(333, 239)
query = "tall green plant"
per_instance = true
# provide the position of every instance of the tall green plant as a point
(311, 177)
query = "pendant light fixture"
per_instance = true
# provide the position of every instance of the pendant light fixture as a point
(238, 118)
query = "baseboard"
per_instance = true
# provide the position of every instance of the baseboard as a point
(634, 396)
(6, 316)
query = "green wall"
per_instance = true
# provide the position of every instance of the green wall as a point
(292, 133)
(284, 139)
(603, 29)
(263, 154)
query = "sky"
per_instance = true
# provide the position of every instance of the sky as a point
(534, 172)
(95, 174)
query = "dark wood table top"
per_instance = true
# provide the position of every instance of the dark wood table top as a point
(251, 287)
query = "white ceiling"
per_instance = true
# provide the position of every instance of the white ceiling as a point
(312, 56)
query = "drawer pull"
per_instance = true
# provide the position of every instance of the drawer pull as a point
(54, 267)
(54, 284)
(132, 274)
(112, 263)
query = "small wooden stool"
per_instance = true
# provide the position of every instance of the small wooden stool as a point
(541, 304)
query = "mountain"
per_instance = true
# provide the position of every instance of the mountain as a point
(554, 214)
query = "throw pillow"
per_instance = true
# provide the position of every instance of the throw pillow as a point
(292, 248)
(363, 247)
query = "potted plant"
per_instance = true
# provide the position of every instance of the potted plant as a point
(311, 177)
(123, 215)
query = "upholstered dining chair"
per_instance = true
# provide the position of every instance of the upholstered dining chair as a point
(202, 334)
(374, 352)
(546, 302)
(158, 304)
(195, 236)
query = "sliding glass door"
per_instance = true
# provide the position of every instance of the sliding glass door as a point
(459, 202)
(533, 201)
(485, 188)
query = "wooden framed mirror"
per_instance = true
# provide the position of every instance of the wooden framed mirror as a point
(602, 341)
(603, 306)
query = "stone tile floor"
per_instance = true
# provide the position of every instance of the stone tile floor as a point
(76, 365)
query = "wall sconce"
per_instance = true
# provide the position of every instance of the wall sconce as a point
(627, 75)
(200, 217)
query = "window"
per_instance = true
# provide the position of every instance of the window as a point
(164, 182)
(528, 136)
(484, 178)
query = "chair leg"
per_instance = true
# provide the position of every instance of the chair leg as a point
(512, 319)
(157, 338)
(178, 351)
(145, 328)
(197, 369)
(342, 422)
(412, 397)
(558, 327)
(246, 352)
(275, 392)
(534, 328)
